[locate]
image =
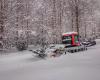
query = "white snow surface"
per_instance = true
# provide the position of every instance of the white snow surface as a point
(77, 66)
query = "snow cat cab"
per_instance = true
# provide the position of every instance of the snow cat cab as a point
(72, 42)
(70, 39)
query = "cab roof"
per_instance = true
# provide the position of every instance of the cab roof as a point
(69, 33)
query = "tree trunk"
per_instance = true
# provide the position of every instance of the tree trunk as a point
(1, 22)
(77, 15)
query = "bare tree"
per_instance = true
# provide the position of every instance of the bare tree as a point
(57, 13)
(78, 9)
(1, 22)
(3, 18)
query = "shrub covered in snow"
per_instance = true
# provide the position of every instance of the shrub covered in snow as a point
(21, 45)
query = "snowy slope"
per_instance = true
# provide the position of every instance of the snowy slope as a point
(78, 66)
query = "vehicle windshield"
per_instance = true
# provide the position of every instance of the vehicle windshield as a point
(67, 39)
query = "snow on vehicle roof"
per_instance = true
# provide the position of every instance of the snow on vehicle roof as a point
(69, 33)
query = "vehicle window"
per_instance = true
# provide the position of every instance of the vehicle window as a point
(67, 39)
(76, 39)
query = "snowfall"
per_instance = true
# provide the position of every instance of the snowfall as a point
(72, 66)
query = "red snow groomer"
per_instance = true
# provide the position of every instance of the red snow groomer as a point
(71, 39)
(72, 42)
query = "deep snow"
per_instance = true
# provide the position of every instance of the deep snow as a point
(77, 66)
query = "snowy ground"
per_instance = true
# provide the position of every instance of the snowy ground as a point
(77, 66)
